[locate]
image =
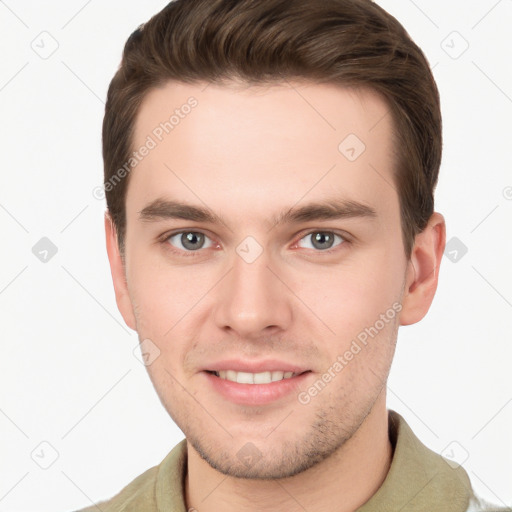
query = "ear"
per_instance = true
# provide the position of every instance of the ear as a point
(124, 303)
(423, 270)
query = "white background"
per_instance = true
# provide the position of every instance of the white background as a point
(68, 373)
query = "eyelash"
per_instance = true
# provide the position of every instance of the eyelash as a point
(164, 240)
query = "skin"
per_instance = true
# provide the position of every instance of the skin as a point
(249, 153)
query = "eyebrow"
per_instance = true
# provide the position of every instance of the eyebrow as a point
(162, 209)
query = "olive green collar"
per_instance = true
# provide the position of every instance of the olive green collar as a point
(418, 480)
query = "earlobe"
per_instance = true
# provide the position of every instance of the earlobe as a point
(118, 273)
(423, 270)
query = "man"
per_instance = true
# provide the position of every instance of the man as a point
(270, 168)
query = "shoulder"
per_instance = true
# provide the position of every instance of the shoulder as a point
(478, 504)
(160, 487)
(139, 495)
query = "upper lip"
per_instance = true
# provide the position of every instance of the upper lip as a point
(266, 365)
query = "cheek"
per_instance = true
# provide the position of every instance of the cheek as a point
(353, 295)
(165, 293)
(361, 285)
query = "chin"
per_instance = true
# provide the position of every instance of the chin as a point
(263, 461)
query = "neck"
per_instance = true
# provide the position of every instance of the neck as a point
(342, 482)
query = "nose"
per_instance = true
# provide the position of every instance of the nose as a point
(252, 300)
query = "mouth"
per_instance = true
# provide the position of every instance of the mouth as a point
(257, 388)
(266, 377)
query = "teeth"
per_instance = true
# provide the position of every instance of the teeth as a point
(262, 378)
(245, 378)
(277, 376)
(254, 378)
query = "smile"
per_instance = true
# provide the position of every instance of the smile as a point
(254, 378)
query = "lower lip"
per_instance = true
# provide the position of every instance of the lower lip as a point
(256, 394)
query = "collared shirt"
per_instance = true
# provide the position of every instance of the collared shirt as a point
(418, 480)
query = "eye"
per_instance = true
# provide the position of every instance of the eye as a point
(189, 241)
(322, 240)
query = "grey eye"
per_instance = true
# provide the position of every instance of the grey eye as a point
(189, 240)
(322, 240)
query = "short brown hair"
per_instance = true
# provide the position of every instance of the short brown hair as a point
(345, 42)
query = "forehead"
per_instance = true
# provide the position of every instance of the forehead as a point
(262, 145)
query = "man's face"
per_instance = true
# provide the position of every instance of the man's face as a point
(253, 295)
